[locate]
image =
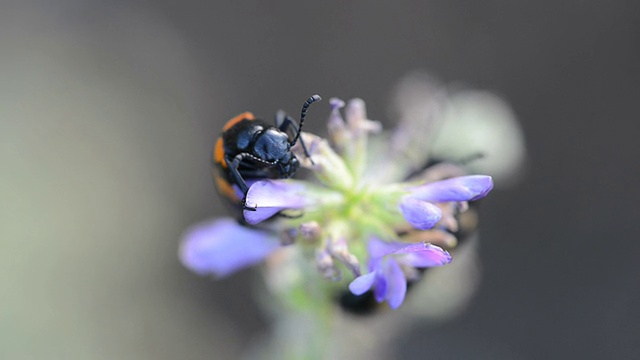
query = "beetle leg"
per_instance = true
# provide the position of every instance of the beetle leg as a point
(233, 170)
(291, 216)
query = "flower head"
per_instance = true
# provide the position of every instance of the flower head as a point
(349, 216)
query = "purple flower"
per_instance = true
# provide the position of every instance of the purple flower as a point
(223, 246)
(417, 207)
(462, 188)
(385, 271)
(268, 197)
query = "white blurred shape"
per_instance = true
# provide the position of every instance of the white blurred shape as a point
(481, 122)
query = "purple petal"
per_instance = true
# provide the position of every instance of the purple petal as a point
(355, 113)
(336, 104)
(268, 197)
(336, 124)
(428, 256)
(223, 246)
(378, 248)
(396, 284)
(362, 283)
(420, 214)
(380, 286)
(462, 188)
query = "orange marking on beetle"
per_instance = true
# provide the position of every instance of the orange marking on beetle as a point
(218, 153)
(226, 189)
(246, 115)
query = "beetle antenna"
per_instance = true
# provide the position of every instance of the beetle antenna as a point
(303, 113)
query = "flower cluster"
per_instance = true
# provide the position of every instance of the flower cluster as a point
(358, 212)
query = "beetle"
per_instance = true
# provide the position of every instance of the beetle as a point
(250, 149)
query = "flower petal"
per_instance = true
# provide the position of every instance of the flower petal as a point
(268, 197)
(336, 124)
(223, 246)
(356, 114)
(328, 167)
(422, 215)
(380, 286)
(396, 284)
(378, 248)
(428, 256)
(462, 188)
(362, 283)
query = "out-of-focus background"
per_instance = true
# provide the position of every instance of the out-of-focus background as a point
(109, 109)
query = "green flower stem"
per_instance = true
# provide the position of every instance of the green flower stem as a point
(303, 315)
(356, 156)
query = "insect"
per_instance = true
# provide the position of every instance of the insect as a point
(250, 149)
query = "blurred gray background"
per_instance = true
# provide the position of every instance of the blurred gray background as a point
(109, 109)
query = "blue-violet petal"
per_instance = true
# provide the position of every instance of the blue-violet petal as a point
(428, 256)
(396, 284)
(362, 283)
(462, 188)
(420, 214)
(266, 198)
(223, 246)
